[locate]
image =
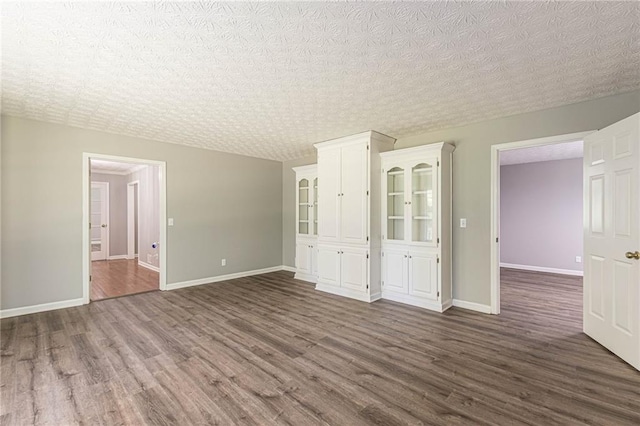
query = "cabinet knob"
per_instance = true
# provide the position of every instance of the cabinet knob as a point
(405, 255)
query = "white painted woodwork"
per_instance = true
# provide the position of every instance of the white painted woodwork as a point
(416, 226)
(612, 229)
(306, 222)
(99, 220)
(348, 215)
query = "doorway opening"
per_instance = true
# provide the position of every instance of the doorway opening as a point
(527, 248)
(124, 236)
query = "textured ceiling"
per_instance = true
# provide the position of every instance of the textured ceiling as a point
(560, 151)
(270, 79)
(113, 167)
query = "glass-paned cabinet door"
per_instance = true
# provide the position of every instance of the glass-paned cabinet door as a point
(315, 206)
(395, 204)
(422, 203)
(303, 206)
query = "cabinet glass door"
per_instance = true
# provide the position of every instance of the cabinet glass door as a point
(422, 203)
(315, 206)
(395, 204)
(303, 207)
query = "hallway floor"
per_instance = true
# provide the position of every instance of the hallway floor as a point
(113, 278)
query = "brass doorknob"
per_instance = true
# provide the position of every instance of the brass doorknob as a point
(633, 255)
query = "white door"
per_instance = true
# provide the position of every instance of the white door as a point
(99, 220)
(303, 257)
(313, 252)
(329, 195)
(394, 271)
(353, 272)
(612, 238)
(423, 275)
(329, 266)
(354, 176)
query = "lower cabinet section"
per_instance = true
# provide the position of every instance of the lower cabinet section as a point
(306, 260)
(344, 271)
(411, 276)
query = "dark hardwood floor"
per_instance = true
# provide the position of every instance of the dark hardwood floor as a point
(272, 350)
(114, 278)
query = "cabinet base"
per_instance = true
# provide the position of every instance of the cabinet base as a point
(305, 277)
(432, 305)
(352, 294)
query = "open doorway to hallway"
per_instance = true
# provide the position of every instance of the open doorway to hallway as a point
(124, 228)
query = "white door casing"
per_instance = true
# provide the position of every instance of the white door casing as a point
(99, 220)
(612, 238)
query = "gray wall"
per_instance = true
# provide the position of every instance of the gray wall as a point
(541, 214)
(117, 211)
(224, 205)
(472, 178)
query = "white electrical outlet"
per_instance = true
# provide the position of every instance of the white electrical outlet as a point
(578, 259)
(224, 262)
(170, 221)
(463, 223)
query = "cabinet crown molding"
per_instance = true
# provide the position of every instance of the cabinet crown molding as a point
(370, 135)
(419, 150)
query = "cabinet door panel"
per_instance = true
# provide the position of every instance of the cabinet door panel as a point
(329, 266)
(314, 260)
(354, 269)
(353, 226)
(328, 190)
(423, 275)
(302, 258)
(394, 267)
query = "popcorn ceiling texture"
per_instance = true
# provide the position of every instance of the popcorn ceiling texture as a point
(269, 79)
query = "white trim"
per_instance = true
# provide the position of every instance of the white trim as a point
(148, 266)
(305, 277)
(131, 243)
(432, 305)
(495, 202)
(100, 171)
(542, 269)
(209, 280)
(118, 257)
(472, 306)
(104, 244)
(14, 312)
(86, 247)
(345, 292)
(288, 268)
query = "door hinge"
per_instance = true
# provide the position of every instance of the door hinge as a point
(367, 192)
(367, 147)
(367, 255)
(367, 286)
(496, 239)
(367, 238)
(438, 294)
(90, 277)
(382, 254)
(438, 240)
(438, 164)
(438, 260)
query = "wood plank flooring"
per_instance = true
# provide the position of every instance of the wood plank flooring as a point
(271, 350)
(114, 278)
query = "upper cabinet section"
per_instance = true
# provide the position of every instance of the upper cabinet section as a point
(306, 200)
(345, 192)
(411, 194)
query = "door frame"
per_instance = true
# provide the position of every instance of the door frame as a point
(131, 208)
(86, 198)
(495, 201)
(104, 243)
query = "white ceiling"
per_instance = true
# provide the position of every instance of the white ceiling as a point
(270, 79)
(114, 168)
(560, 151)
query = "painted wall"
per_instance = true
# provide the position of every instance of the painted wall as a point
(149, 220)
(541, 214)
(224, 206)
(117, 211)
(472, 178)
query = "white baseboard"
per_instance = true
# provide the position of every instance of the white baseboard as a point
(542, 269)
(353, 294)
(288, 268)
(472, 306)
(226, 277)
(148, 266)
(406, 299)
(118, 257)
(14, 312)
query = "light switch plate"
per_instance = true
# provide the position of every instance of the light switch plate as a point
(578, 259)
(170, 221)
(463, 223)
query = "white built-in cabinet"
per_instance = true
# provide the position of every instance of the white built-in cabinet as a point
(306, 222)
(416, 226)
(349, 197)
